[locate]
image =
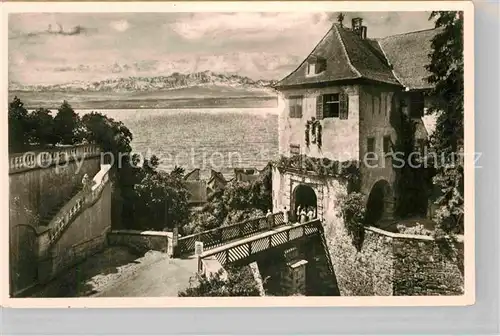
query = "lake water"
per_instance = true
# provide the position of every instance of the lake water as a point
(220, 139)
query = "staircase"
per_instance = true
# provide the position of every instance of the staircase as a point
(56, 208)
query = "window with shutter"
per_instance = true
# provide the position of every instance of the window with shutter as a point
(331, 105)
(295, 105)
(344, 106)
(319, 107)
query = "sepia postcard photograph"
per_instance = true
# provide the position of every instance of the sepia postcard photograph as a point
(234, 154)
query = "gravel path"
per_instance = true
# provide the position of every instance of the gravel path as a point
(116, 272)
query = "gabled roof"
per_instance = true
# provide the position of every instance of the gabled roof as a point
(194, 175)
(216, 175)
(398, 59)
(409, 54)
(347, 57)
(197, 191)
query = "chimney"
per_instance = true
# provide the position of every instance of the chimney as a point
(358, 28)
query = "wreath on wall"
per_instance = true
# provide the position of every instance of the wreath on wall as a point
(313, 132)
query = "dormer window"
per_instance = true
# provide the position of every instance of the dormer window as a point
(315, 65)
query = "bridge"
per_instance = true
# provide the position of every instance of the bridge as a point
(295, 251)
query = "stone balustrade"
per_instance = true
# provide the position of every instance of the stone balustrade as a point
(77, 204)
(45, 158)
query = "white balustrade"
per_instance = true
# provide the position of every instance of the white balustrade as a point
(30, 160)
(80, 200)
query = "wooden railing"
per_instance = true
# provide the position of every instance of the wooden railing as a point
(77, 204)
(246, 247)
(219, 236)
(46, 158)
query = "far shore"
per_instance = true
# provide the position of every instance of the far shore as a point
(31, 102)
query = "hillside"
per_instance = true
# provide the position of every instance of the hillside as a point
(150, 84)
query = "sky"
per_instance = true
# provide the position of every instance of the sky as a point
(97, 46)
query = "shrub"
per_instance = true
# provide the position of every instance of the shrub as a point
(161, 200)
(352, 210)
(239, 282)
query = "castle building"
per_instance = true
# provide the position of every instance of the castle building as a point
(341, 103)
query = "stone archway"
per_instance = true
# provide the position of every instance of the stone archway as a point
(303, 196)
(380, 205)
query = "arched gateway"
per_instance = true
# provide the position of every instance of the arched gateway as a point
(380, 204)
(305, 197)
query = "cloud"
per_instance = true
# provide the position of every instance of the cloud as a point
(257, 45)
(120, 26)
(52, 29)
(246, 25)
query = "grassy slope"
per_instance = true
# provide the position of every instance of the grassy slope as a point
(191, 97)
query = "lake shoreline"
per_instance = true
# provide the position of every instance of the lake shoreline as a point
(152, 100)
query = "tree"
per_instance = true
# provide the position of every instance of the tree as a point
(18, 126)
(42, 127)
(67, 125)
(161, 200)
(238, 201)
(112, 136)
(447, 76)
(114, 139)
(239, 282)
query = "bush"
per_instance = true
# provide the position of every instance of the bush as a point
(161, 200)
(239, 282)
(352, 210)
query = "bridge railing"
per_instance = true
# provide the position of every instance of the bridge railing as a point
(46, 158)
(246, 247)
(219, 236)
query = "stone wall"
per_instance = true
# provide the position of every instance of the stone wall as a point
(141, 241)
(34, 193)
(427, 267)
(38, 182)
(394, 264)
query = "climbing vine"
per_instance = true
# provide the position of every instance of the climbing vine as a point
(313, 132)
(308, 125)
(323, 167)
(413, 178)
(352, 211)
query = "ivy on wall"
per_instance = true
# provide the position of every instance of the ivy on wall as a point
(352, 211)
(323, 167)
(313, 132)
(413, 181)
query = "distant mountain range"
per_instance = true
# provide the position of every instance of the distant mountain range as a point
(150, 84)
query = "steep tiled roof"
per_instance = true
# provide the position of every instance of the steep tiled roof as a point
(409, 54)
(197, 191)
(366, 58)
(347, 57)
(398, 59)
(194, 175)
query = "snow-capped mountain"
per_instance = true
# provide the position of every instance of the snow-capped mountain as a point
(150, 84)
